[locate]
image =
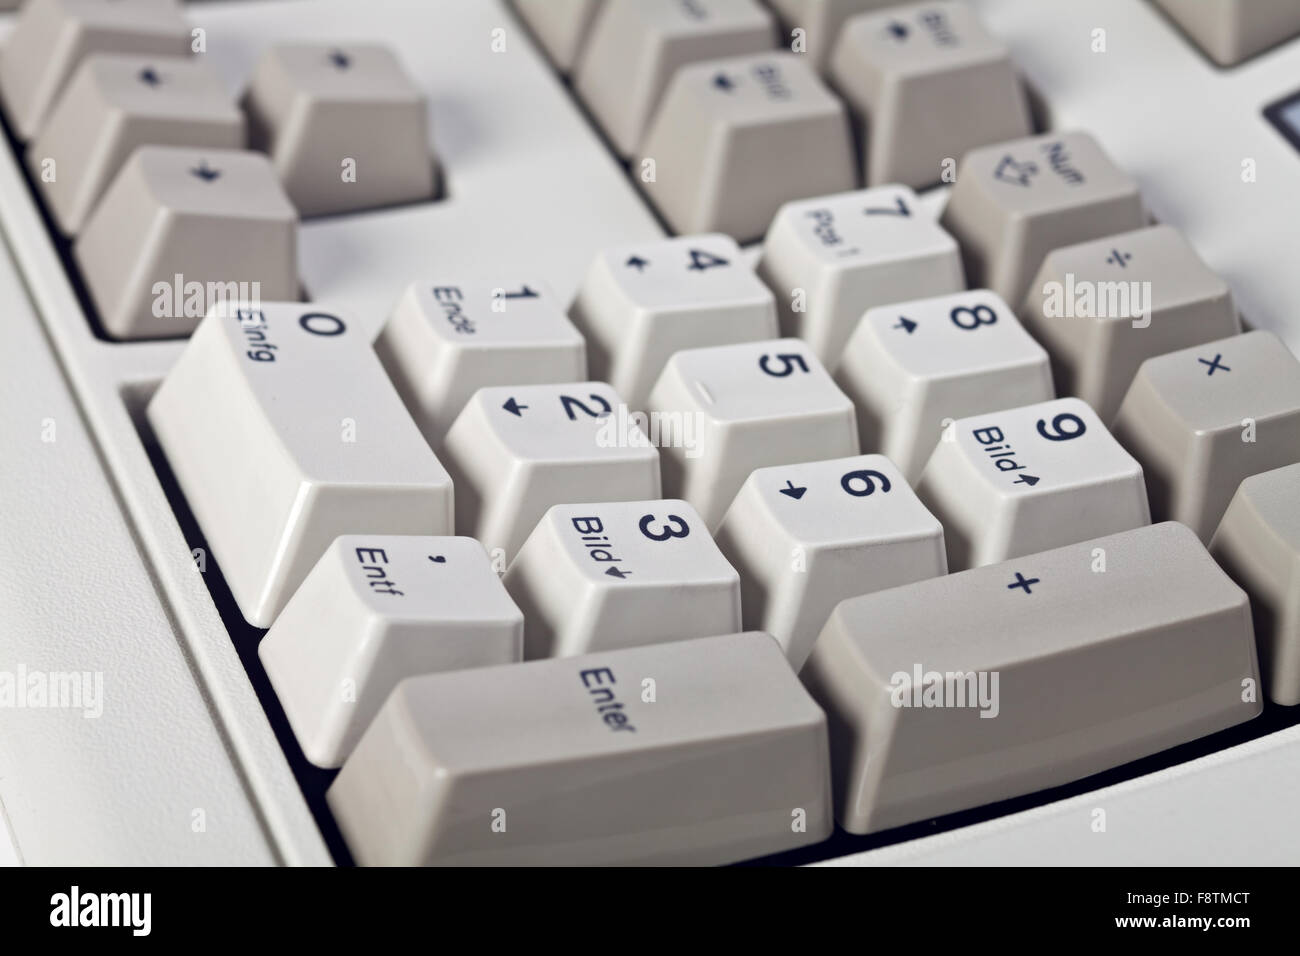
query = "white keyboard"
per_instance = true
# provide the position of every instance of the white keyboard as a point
(663, 441)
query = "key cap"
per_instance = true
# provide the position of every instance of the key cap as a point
(517, 450)
(636, 46)
(641, 303)
(1203, 419)
(805, 537)
(181, 228)
(820, 21)
(560, 26)
(447, 339)
(1103, 307)
(283, 433)
(913, 367)
(692, 752)
(114, 104)
(1027, 479)
(1015, 202)
(829, 259)
(1077, 672)
(735, 139)
(741, 407)
(1230, 31)
(926, 83)
(374, 610)
(50, 39)
(599, 577)
(345, 126)
(1258, 544)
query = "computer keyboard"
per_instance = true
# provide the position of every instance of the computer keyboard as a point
(589, 339)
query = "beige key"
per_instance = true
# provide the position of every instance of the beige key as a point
(1230, 31)
(345, 126)
(818, 23)
(1258, 544)
(692, 752)
(1202, 419)
(1104, 307)
(181, 229)
(976, 687)
(560, 26)
(735, 139)
(1015, 202)
(50, 38)
(636, 46)
(927, 83)
(114, 104)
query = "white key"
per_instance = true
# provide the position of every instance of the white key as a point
(741, 407)
(821, 22)
(587, 768)
(734, 139)
(1104, 307)
(1027, 479)
(114, 104)
(218, 219)
(927, 83)
(597, 577)
(829, 259)
(1258, 544)
(1230, 31)
(1015, 202)
(1201, 420)
(913, 367)
(976, 687)
(640, 304)
(517, 450)
(323, 111)
(50, 38)
(284, 432)
(805, 537)
(449, 338)
(635, 46)
(375, 610)
(561, 27)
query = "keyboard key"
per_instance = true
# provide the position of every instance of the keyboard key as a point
(346, 128)
(50, 38)
(1258, 544)
(820, 21)
(447, 339)
(913, 367)
(734, 139)
(599, 577)
(1077, 670)
(517, 450)
(1027, 479)
(927, 83)
(636, 45)
(1203, 419)
(692, 752)
(374, 610)
(829, 259)
(1015, 202)
(741, 407)
(1104, 307)
(1230, 31)
(640, 304)
(197, 225)
(283, 433)
(114, 104)
(560, 26)
(805, 537)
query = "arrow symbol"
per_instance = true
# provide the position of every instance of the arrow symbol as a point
(524, 293)
(791, 491)
(514, 408)
(340, 59)
(150, 76)
(616, 573)
(438, 558)
(724, 83)
(637, 263)
(907, 325)
(205, 172)
(1029, 480)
